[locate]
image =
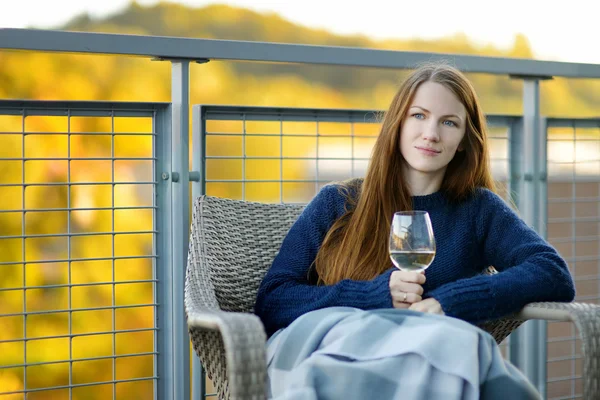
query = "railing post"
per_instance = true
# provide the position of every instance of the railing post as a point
(180, 99)
(173, 207)
(164, 249)
(527, 346)
(198, 189)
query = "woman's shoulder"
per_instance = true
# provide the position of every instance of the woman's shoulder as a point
(342, 190)
(337, 193)
(339, 196)
(484, 196)
(350, 183)
(483, 202)
(488, 203)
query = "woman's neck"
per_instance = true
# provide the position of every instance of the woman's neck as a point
(422, 184)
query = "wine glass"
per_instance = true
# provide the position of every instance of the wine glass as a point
(412, 243)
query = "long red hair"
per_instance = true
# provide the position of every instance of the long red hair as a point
(356, 245)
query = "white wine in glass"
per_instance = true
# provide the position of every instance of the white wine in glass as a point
(412, 243)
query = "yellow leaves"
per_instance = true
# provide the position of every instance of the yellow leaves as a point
(133, 220)
(91, 271)
(47, 350)
(11, 381)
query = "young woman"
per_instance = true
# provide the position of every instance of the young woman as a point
(334, 270)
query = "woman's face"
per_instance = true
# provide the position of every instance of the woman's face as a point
(432, 130)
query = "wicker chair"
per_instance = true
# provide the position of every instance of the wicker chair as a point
(233, 244)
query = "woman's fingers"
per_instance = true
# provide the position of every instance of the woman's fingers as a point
(407, 298)
(399, 304)
(407, 276)
(429, 305)
(411, 288)
(405, 288)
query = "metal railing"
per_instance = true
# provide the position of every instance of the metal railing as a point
(572, 227)
(79, 233)
(287, 154)
(525, 177)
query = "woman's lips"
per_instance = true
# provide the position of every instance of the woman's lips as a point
(428, 151)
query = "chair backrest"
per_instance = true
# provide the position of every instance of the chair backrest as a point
(234, 243)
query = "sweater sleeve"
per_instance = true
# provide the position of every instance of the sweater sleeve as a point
(530, 269)
(285, 292)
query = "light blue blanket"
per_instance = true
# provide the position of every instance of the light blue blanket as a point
(346, 353)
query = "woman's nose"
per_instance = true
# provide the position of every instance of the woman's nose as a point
(431, 132)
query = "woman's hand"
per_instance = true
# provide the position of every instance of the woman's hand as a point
(405, 288)
(429, 305)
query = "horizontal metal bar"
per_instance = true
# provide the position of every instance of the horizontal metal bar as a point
(578, 239)
(575, 162)
(200, 49)
(297, 114)
(267, 181)
(586, 278)
(79, 108)
(562, 339)
(308, 135)
(565, 358)
(291, 135)
(301, 158)
(559, 200)
(572, 139)
(569, 397)
(572, 122)
(581, 258)
(286, 158)
(569, 178)
(77, 385)
(74, 285)
(587, 298)
(564, 378)
(79, 133)
(283, 114)
(76, 183)
(34, 210)
(573, 220)
(73, 234)
(37, 364)
(78, 159)
(72, 310)
(76, 260)
(74, 335)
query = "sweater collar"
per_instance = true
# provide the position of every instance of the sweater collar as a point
(429, 201)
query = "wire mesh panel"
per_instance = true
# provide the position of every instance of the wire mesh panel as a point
(287, 154)
(77, 250)
(573, 228)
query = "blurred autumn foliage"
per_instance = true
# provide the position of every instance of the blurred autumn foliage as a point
(113, 247)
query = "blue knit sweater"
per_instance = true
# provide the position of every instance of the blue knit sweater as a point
(470, 236)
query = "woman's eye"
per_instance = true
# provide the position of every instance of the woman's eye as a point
(419, 116)
(449, 123)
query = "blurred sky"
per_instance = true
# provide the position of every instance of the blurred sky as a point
(557, 30)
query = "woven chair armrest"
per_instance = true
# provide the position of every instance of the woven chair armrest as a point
(586, 318)
(244, 340)
(558, 311)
